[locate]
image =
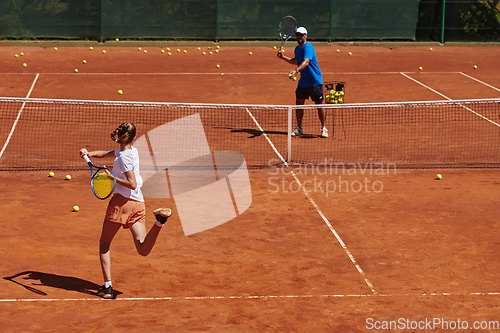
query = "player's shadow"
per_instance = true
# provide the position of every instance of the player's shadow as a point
(55, 281)
(256, 133)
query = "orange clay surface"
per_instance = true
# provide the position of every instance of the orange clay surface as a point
(393, 246)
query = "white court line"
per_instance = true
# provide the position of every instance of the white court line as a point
(18, 116)
(204, 298)
(468, 109)
(486, 84)
(325, 219)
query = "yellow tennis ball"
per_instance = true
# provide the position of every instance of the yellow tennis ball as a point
(16, 55)
(120, 92)
(350, 53)
(178, 50)
(168, 48)
(420, 68)
(274, 47)
(199, 49)
(295, 78)
(68, 177)
(51, 174)
(55, 48)
(25, 65)
(250, 53)
(76, 70)
(85, 61)
(338, 50)
(218, 46)
(185, 51)
(91, 48)
(169, 53)
(22, 53)
(216, 51)
(162, 51)
(218, 66)
(104, 51)
(475, 67)
(138, 49)
(76, 208)
(118, 39)
(204, 53)
(145, 51)
(439, 177)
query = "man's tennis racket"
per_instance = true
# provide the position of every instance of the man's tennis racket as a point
(287, 27)
(102, 180)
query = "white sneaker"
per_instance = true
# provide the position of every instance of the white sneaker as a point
(324, 132)
(297, 131)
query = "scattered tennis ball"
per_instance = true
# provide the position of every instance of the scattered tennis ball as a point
(199, 49)
(475, 67)
(55, 48)
(103, 51)
(218, 46)
(91, 48)
(168, 48)
(185, 51)
(85, 61)
(118, 39)
(22, 53)
(420, 68)
(430, 49)
(145, 51)
(274, 47)
(120, 92)
(209, 47)
(250, 53)
(25, 65)
(338, 50)
(169, 53)
(51, 174)
(216, 51)
(76, 208)
(162, 51)
(350, 53)
(439, 177)
(16, 55)
(76, 70)
(178, 50)
(68, 177)
(218, 66)
(210, 53)
(139, 49)
(204, 52)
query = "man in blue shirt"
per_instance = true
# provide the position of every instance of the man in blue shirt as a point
(311, 80)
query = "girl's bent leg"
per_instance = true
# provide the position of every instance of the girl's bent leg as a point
(144, 242)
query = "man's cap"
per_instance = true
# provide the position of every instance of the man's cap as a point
(301, 30)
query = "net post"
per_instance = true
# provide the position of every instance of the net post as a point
(289, 136)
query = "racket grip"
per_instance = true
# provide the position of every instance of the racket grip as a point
(86, 158)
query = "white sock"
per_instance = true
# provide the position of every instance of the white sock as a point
(107, 284)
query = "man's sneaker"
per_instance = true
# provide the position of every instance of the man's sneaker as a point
(162, 214)
(324, 132)
(297, 131)
(106, 293)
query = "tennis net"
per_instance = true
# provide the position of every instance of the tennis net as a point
(44, 134)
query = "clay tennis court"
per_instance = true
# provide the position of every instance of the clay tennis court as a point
(388, 245)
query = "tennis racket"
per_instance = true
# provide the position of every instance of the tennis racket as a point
(287, 27)
(103, 181)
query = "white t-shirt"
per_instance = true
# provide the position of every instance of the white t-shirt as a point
(127, 160)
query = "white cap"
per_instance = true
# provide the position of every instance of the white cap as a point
(301, 30)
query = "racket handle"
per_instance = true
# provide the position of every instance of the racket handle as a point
(86, 158)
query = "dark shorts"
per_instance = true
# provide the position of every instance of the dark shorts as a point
(316, 93)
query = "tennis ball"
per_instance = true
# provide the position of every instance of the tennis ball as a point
(68, 177)
(145, 51)
(51, 174)
(169, 53)
(25, 65)
(178, 50)
(204, 53)
(350, 53)
(218, 46)
(290, 76)
(295, 78)
(430, 49)
(85, 61)
(118, 39)
(338, 50)
(16, 55)
(120, 92)
(475, 67)
(216, 51)
(22, 53)
(162, 51)
(138, 49)
(439, 177)
(420, 68)
(210, 53)
(103, 51)
(76, 208)
(76, 70)
(274, 47)
(168, 48)
(209, 47)
(199, 49)
(218, 66)
(55, 48)
(91, 48)
(250, 53)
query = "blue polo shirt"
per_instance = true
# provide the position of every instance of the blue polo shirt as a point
(311, 75)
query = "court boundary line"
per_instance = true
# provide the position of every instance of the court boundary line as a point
(468, 109)
(18, 116)
(249, 297)
(486, 84)
(318, 210)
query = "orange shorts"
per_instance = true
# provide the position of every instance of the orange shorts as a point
(125, 211)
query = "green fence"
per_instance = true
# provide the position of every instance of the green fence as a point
(424, 20)
(458, 21)
(206, 19)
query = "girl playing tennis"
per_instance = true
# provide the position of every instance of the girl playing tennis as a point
(126, 208)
